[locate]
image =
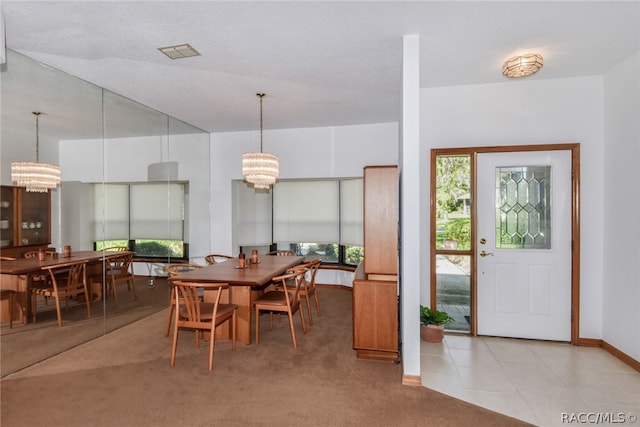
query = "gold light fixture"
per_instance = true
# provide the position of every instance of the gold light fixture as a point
(260, 169)
(35, 176)
(522, 65)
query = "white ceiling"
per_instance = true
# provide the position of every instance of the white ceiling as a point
(321, 63)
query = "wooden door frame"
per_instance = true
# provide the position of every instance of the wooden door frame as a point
(574, 148)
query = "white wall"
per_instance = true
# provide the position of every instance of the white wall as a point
(330, 152)
(532, 112)
(621, 278)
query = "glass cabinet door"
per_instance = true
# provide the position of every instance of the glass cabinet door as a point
(7, 217)
(34, 211)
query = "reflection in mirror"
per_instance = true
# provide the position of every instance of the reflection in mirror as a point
(115, 154)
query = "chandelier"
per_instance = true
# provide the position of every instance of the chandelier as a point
(260, 169)
(35, 176)
(523, 65)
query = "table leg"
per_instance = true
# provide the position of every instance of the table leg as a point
(243, 297)
(20, 284)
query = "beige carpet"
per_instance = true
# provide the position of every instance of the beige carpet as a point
(24, 345)
(124, 379)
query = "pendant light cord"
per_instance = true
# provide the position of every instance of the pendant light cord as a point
(37, 114)
(260, 95)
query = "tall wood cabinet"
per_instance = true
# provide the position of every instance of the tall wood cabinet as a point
(25, 220)
(375, 285)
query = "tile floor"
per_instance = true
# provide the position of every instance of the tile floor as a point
(535, 381)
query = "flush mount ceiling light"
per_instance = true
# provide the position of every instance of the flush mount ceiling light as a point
(179, 51)
(35, 177)
(260, 169)
(522, 65)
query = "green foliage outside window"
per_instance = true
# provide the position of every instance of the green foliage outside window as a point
(459, 229)
(354, 255)
(159, 248)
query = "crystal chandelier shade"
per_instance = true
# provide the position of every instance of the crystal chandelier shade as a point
(35, 176)
(260, 169)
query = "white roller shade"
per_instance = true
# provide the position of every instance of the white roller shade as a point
(351, 226)
(157, 211)
(306, 211)
(110, 212)
(251, 215)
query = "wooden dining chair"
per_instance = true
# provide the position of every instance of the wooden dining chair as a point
(173, 270)
(72, 284)
(308, 288)
(216, 258)
(283, 299)
(117, 271)
(41, 280)
(192, 313)
(116, 249)
(281, 252)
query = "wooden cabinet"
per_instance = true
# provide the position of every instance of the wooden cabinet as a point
(375, 285)
(25, 220)
(381, 220)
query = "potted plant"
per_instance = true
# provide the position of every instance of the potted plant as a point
(432, 324)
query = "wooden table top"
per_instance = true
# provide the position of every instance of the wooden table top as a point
(34, 265)
(254, 275)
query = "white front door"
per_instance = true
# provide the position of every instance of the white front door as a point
(524, 245)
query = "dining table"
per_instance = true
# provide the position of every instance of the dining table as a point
(245, 285)
(17, 274)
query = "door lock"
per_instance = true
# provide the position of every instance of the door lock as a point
(483, 253)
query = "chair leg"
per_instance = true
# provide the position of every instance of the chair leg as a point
(306, 297)
(304, 325)
(114, 289)
(315, 296)
(57, 298)
(257, 316)
(174, 346)
(234, 326)
(87, 299)
(33, 306)
(293, 331)
(170, 317)
(11, 302)
(133, 286)
(212, 345)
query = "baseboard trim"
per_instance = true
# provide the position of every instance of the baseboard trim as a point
(412, 380)
(589, 342)
(595, 342)
(327, 285)
(621, 355)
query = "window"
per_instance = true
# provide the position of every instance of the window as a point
(315, 218)
(146, 217)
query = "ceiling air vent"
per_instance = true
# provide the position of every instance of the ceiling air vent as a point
(179, 51)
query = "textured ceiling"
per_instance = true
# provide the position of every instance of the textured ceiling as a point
(320, 63)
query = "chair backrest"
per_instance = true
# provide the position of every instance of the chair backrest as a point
(174, 269)
(75, 274)
(119, 265)
(313, 266)
(117, 249)
(290, 283)
(188, 302)
(215, 258)
(282, 252)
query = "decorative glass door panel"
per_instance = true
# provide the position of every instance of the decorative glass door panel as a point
(523, 207)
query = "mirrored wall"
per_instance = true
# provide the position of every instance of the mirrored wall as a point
(131, 175)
